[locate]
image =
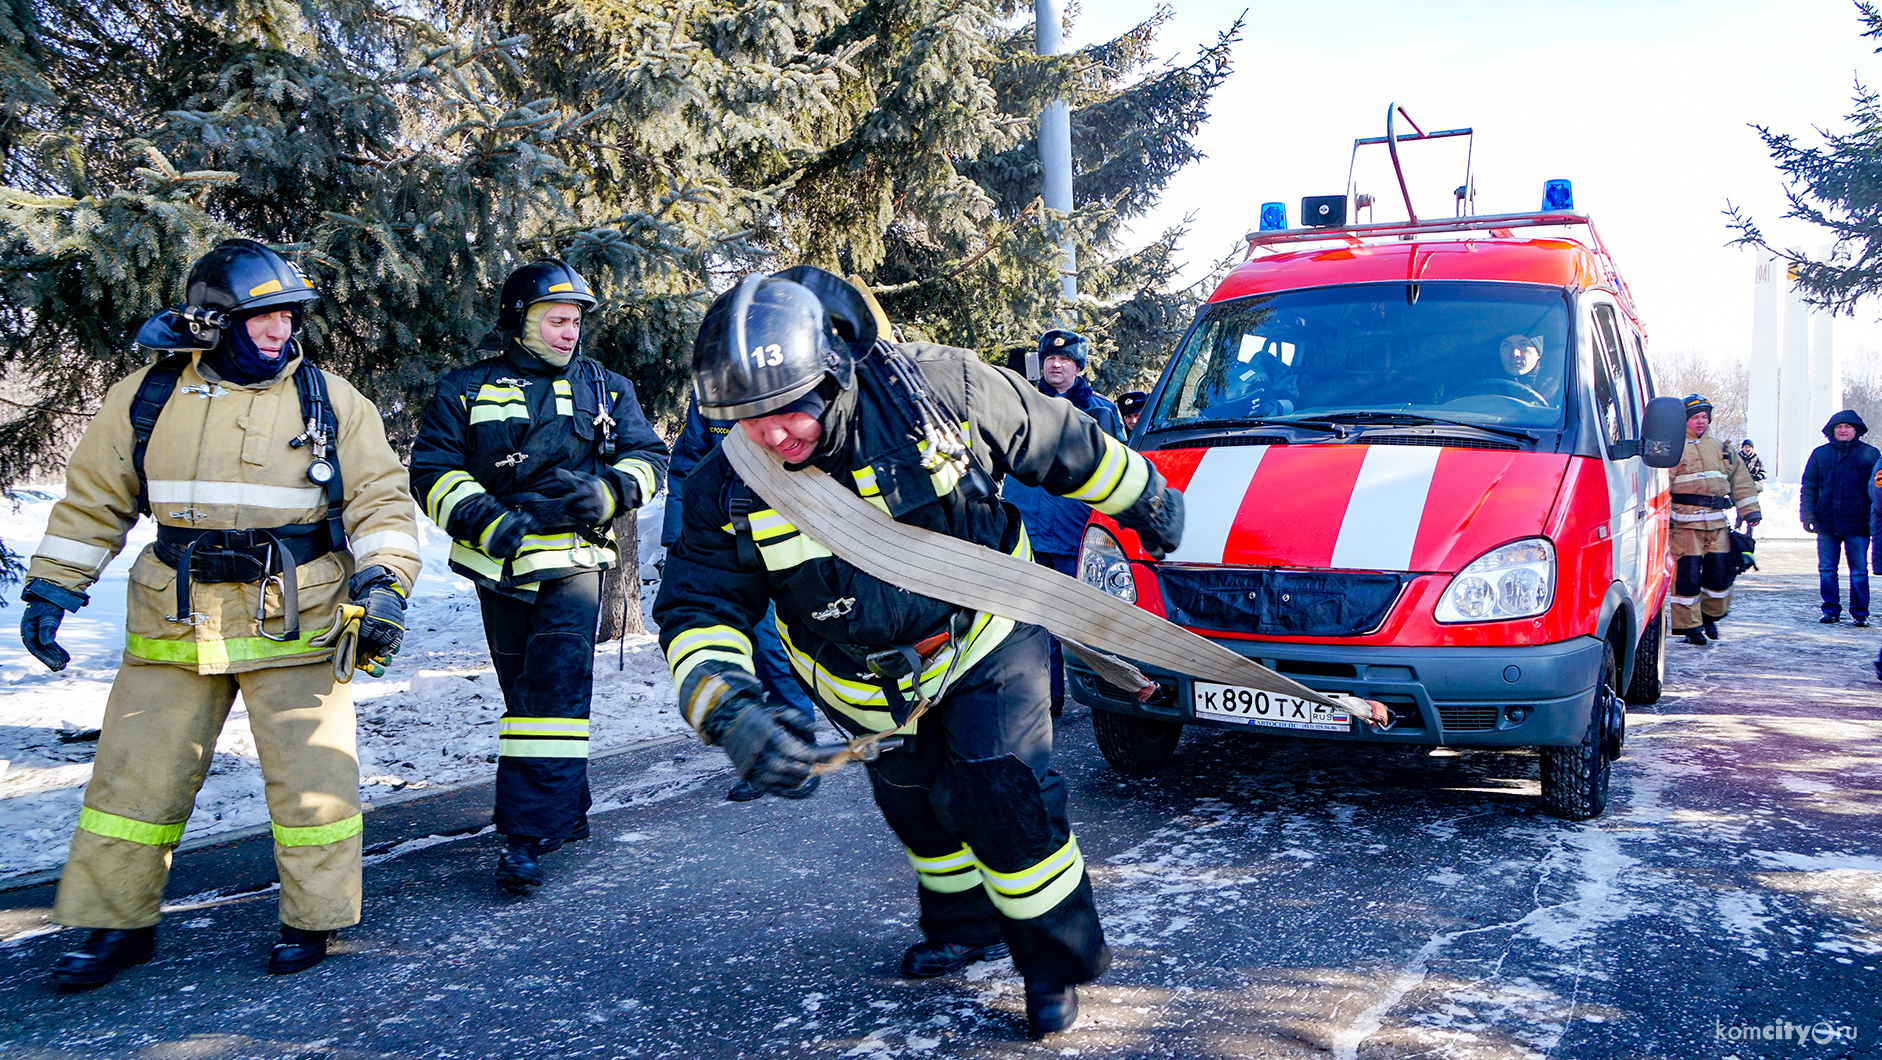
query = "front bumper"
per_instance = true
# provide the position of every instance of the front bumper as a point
(1535, 696)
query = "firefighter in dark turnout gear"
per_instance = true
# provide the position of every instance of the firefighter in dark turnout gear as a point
(525, 458)
(281, 513)
(970, 794)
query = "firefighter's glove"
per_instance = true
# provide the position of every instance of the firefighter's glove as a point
(1752, 519)
(768, 749)
(549, 513)
(1157, 516)
(382, 630)
(1809, 527)
(586, 497)
(46, 605)
(505, 539)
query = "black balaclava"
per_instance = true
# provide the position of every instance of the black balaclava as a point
(238, 360)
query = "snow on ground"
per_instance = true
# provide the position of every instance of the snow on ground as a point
(430, 721)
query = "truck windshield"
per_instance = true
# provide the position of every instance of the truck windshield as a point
(1483, 353)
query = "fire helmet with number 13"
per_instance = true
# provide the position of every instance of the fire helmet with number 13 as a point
(773, 339)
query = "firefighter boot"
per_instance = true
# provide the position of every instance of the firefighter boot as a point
(519, 868)
(1694, 637)
(1710, 628)
(1050, 1007)
(298, 950)
(105, 953)
(925, 960)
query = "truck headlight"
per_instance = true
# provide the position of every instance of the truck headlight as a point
(1103, 564)
(1511, 581)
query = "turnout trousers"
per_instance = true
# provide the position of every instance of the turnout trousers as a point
(1702, 579)
(544, 653)
(158, 737)
(973, 799)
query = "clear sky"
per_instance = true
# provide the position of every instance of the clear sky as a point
(1644, 104)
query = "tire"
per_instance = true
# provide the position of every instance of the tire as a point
(1133, 744)
(1575, 779)
(1649, 663)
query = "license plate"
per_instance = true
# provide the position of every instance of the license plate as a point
(1252, 706)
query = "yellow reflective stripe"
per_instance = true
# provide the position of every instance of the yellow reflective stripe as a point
(1037, 890)
(767, 524)
(495, 413)
(563, 406)
(217, 652)
(708, 636)
(642, 471)
(111, 826)
(520, 748)
(944, 479)
(855, 698)
(451, 489)
(500, 394)
(526, 726)
(1136, 480)
(866, 484)
(948, 874)
(1105, 479)
(791, 552)
(319, 835)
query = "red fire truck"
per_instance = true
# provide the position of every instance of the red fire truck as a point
(1422, 462)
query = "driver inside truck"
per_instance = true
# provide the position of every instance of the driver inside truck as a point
(1521, 356)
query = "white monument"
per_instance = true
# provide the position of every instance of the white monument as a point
(1796, 380)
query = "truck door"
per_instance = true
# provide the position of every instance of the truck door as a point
(1619, 406)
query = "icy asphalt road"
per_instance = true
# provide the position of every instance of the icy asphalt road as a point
(1287, 900)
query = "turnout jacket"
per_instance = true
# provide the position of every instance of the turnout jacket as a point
(735, 554)
(501, 427)
(1708, 469)
(219, 459)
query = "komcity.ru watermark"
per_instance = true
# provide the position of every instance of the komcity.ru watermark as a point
(1822, 1032)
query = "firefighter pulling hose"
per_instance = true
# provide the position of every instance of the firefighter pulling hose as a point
(801, 361)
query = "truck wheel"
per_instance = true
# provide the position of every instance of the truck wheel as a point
(1649, 663)
(1575, 779)
(1134, 744)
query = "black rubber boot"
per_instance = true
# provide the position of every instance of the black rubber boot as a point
(104, 953)
(298, 950)
(925, 960)
(1694, 637)
(1710, 629)
(1050, 1008)
(743, 792)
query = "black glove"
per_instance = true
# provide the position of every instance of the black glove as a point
(382, 631)
(506, 538)
(586, 497)
(1157, 517)
(549, 512)
(1751, 520)
(46, 605)
(770, 753)
(1809, 527)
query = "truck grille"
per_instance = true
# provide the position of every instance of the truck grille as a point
(1279, 602)
(1468, 717)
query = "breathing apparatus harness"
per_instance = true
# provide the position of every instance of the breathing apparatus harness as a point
(255, 556)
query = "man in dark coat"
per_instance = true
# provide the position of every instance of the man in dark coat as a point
(1834, 505)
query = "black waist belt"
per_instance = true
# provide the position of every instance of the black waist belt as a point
(252, 557)
(1700, 500)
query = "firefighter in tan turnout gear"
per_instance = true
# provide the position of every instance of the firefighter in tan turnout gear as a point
(1707, 484)
(281, 514)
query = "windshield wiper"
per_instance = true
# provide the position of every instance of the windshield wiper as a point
(1409, 419)
(1316, 423)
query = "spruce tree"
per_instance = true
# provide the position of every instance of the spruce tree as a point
(1836, 187)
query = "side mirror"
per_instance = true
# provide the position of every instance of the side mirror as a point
(1663, 432)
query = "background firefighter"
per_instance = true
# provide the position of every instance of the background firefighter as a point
(1707, 483)
(524, 458)
(971, 795)
(239, 491)
(1056, 524)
